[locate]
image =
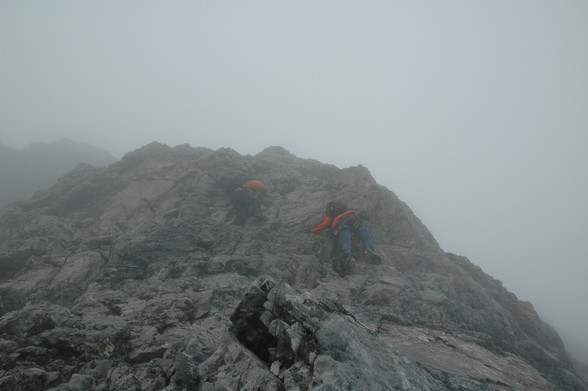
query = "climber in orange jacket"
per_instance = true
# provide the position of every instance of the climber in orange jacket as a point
(245, 201)
(345, 223)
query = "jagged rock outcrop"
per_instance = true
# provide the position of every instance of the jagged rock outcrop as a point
(132, 277)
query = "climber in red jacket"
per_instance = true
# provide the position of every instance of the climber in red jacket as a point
(345, 223)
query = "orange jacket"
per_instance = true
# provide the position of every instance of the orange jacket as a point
(328, 222)
(253, 186)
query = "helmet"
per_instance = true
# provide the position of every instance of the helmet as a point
(335, 208)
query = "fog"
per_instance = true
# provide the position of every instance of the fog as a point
(474, 113)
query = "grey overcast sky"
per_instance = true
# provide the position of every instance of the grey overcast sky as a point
(474, 113)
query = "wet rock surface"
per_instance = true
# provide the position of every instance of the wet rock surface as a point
(133, 277)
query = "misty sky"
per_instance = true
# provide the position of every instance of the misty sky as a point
(475, 113)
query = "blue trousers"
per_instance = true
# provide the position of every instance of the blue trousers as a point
(345, 235)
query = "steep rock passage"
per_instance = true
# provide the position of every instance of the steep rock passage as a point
(133, 277)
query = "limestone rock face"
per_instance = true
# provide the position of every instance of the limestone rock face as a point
(133, 277)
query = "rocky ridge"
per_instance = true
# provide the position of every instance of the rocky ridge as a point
(132, 277)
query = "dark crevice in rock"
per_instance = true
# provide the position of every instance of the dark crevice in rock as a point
(249, 329)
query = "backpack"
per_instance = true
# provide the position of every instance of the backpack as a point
(235, 182)
(335, 208)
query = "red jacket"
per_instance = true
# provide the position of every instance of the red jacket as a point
(328, 222)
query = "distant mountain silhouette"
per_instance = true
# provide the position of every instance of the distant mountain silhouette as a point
(25, 171)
